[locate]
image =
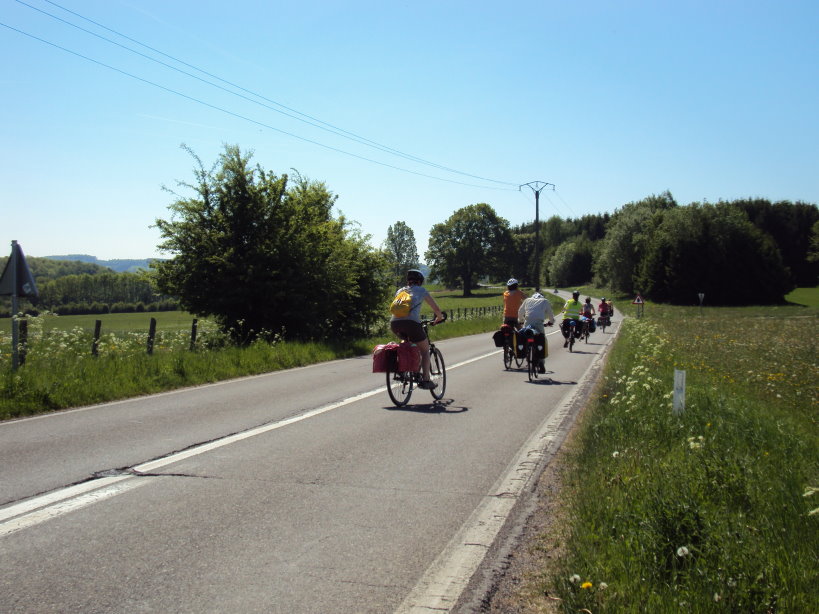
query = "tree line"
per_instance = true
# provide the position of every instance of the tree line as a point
(740, 252)
(264, 255)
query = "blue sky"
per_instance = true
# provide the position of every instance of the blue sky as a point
(609, 101)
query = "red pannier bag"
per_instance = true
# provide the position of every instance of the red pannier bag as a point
(385, 357)
(409, 357)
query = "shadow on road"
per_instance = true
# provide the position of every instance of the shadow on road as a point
(444, 406)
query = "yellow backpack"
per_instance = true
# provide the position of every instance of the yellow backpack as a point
(401, 304)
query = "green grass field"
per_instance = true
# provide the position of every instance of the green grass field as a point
(713, 509)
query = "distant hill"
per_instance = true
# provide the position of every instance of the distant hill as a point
(119, 265)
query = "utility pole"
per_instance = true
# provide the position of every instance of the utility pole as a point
(537, 187)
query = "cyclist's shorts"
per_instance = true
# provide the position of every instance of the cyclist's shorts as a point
(408, 329)
(511, 321)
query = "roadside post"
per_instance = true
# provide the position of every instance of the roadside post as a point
(16, 281)
(678, 401)
(640, 304)
(702, 298)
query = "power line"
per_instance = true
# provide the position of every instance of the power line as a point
(312, 121)
(243, 117)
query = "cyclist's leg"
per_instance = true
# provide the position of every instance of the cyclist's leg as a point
(423, 347)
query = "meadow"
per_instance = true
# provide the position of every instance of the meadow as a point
(60, 371)
(712, 509)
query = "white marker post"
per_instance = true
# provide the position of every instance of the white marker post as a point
(678, 403)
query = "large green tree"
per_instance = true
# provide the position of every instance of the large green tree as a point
(712, 249)
(474, 242)
(263, 254)
(623, 247)
(401, 250)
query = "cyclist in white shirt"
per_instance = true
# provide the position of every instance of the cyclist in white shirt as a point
(534, 312)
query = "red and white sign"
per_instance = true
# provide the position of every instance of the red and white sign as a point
(638, 300)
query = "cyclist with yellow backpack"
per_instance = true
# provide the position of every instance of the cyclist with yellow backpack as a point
(406, 318)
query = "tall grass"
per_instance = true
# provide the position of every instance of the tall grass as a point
(711, 510)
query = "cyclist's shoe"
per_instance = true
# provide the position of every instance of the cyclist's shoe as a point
(428, 385)
(566, 343)
(541, 368)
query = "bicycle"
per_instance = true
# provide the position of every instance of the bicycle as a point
(400, 384)
(603, 321)
(531, 350)
(570, 332)
(509, 352)
(585, 330)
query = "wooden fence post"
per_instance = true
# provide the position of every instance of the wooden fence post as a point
(95, 344)
(193, 334)
(151, 336)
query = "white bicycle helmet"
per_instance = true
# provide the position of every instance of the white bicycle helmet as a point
(512, 282)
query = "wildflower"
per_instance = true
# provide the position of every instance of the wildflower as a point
(574, 579)
(731, 582)
(602, 586)
(717, 598)
(682, 551)
(615, 454)
(586, 585)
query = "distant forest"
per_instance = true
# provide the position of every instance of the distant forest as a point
(72, 287)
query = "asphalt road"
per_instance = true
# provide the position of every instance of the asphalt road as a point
(293, 492)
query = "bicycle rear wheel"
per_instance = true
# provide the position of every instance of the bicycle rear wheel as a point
(399, 387)
(507, 356)
(530, 359)
(437, 373)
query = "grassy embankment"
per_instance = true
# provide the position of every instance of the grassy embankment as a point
(60, 372)
(712, 510)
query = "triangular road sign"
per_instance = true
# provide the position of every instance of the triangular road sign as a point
(638, 300)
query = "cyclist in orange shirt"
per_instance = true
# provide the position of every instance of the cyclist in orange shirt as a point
(512, 300)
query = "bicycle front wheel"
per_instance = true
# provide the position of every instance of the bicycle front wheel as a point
(437, 373)
(399, 387)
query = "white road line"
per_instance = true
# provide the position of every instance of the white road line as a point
(58, 502)
(69, 505)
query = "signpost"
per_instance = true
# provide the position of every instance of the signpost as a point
(640, 304)
(702, 298)
(16, 281)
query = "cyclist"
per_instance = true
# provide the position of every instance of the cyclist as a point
(409, 327)
(512, 300)
(604, 309)
(571, 311)
(588, 308)
(533, 312)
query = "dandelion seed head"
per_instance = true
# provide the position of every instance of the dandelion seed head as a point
(682, 551)
(574, 579)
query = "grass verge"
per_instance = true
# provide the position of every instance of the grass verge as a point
(712, 510)
(60, 371)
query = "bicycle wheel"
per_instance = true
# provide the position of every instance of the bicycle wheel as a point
(571, 340)
(519, 360)
(399, 387)
(437, 373)
(530, 360)
(507, 356)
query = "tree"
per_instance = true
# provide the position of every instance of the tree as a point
(624, 245)
(262, 254)
(713, 249)
(401, 250)
(571, 263)
(472, 243)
